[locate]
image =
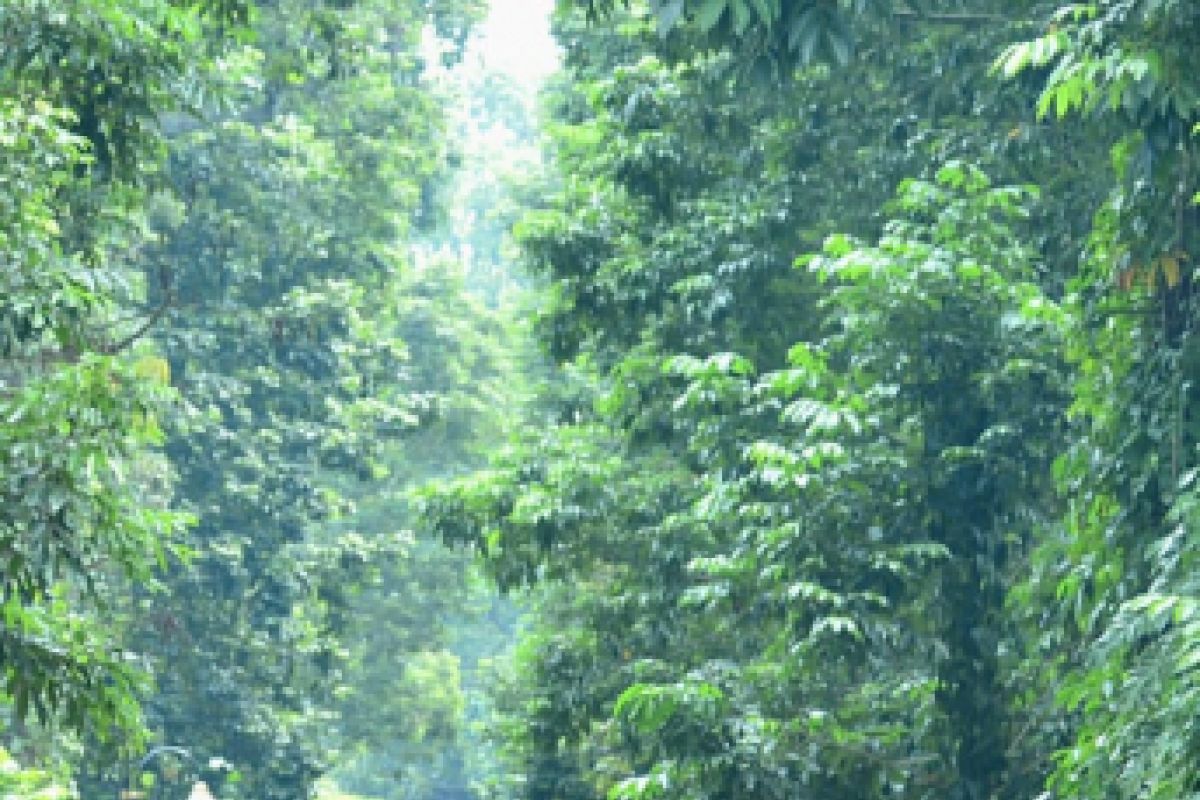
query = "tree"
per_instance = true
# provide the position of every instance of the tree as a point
(281, 262)
(79, 390)
(1111, 574)
(700, 578)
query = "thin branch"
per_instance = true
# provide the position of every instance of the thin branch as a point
(142, 329)
(950, 18)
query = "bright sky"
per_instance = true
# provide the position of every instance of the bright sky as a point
(516, 39)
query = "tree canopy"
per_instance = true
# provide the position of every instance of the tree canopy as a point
(817, 417)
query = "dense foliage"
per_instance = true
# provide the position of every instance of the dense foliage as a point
(860, 459)
(221, 368)
(78, 394)
(845, 495)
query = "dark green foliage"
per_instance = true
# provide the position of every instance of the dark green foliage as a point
(942, 329)
(265, 260)
(1109, 573)
(785, 539)
(280, 258)
(79, 394)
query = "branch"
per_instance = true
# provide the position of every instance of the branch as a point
(949, 18)
(142, 329)
(10, 384)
